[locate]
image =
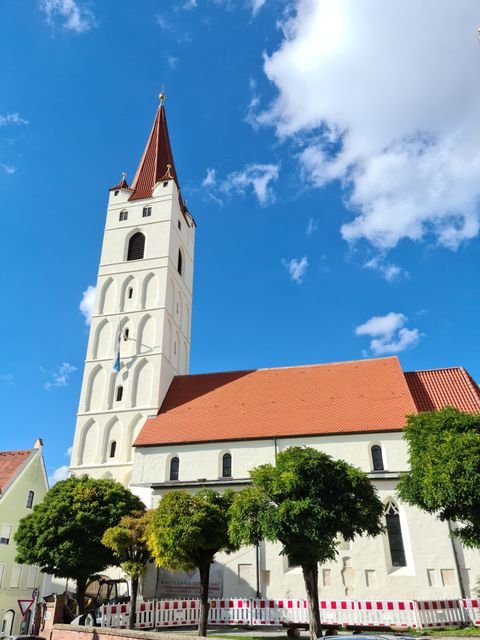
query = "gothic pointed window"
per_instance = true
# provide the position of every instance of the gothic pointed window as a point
(136, 246)
(394, 534)
(377, 458)
(174, 467)
(180, 262)
(227, 465)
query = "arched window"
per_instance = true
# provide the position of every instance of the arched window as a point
(130, 293)
(394, 534)
(180, 262)
(119, 393)
(174, 467)
(30, 496)
(227, 465)
(136, 246)
(113, 448)
(377, 458)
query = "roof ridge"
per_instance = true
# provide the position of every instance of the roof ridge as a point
(437, 369)
(292, 366)
(2, 453)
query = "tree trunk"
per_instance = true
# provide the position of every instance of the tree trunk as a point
(204, 606)
(133, 604)
(81, 586)
(310, 575)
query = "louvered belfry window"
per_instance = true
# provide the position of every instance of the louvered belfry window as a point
(136, 247)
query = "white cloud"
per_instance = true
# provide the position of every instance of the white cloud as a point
(60, 377)
(8, 169)
(190, 4)
(388, 270)
(297, 268)
(86, 303)
(172, 62)
(312, 226)
(388, 334)
(210, 178)
(254, 177)
(384, 96)
(11, 118)
(59, 474)
(256, 5)
(8, 379)
(74, 15)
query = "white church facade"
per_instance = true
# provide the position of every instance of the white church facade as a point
(154, 427)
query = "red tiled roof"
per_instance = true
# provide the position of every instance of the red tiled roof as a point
(10, 463)
(157, 155)
(438, 388)
(344, 397)
(123, 184)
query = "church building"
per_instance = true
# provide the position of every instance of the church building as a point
(143, 420)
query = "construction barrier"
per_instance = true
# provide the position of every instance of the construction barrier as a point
(440, 613)
(472, 610)
(289, 611)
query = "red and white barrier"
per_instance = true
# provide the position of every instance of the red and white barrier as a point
(471, 609)
(440, 613)
(385, 613)
(230, 611)
(173, 613)
(263, 612)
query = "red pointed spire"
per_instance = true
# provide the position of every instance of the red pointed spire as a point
(123, 184)
(157, 160)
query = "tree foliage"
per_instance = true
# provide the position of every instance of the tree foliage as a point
(187, 531)
(444, 476)
(305, 502)
(63, 534)
(128, 541)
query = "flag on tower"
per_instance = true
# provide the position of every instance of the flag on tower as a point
(116, 350)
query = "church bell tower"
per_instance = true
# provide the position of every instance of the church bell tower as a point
(140, 330)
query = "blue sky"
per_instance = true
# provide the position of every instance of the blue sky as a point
(328, 149)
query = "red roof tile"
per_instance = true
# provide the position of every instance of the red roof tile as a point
(438, 388)
(10, 463)
(157, 156)
(344, 397)
(123, 184)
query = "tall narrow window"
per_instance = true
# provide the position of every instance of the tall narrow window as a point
(126, 333)
(119, 393)
(394, 533)
(174, 467)
(227, 465)
(180, 262)
(377, 458)
(5, 533)
(123, 215)
(130, 293)
(136, 247)
(30, 496)
(113, 448)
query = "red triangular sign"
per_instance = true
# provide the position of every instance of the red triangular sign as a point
(24, 605)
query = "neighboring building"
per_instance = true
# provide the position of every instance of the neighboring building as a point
(193, 431)
(23, 484)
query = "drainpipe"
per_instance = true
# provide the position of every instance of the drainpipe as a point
(257, 563)
(457, 563)
(275, 445)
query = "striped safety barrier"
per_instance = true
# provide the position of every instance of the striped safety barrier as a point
(289, 611)
(440, 613)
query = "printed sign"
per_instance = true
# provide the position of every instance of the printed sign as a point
(24, 606)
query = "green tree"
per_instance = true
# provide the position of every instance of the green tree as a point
(63, 534)
(187, 531)
(305, 502)
(444, 476)
(128, 541)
